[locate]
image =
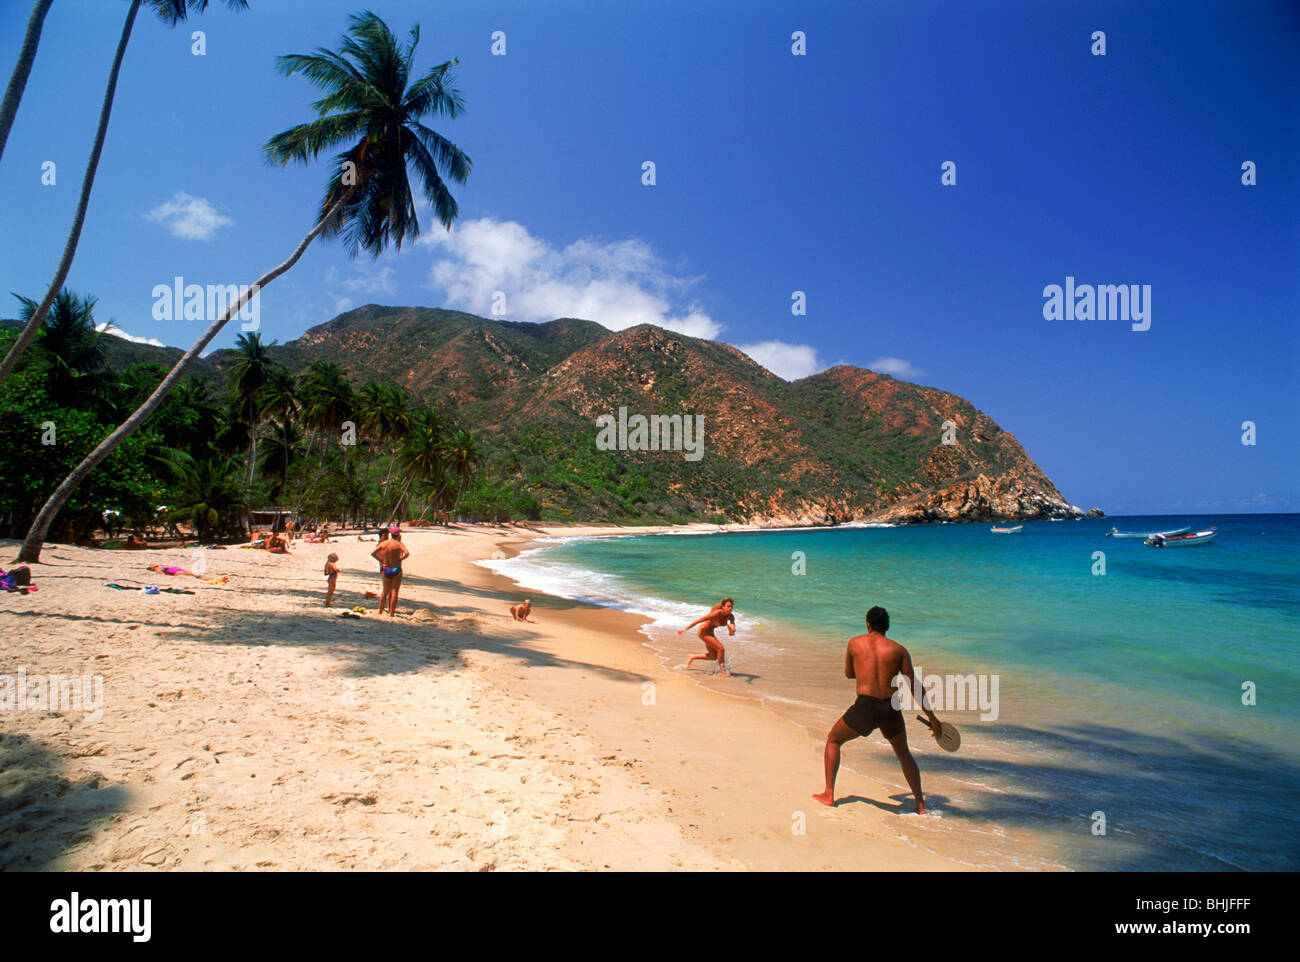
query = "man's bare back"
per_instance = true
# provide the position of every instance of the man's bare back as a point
(875, 661)
(390, 553)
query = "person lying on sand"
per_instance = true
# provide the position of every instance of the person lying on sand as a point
(520, 612)
(390, 554)
(159, 569)
(875, 661)
(718, 616)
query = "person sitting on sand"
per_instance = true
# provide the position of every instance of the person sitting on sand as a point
(332, 576)
(135, 542)
(390, 554)
(718, 616)
(875, 661)
(276, 544)
(159, 569)
(520, 612)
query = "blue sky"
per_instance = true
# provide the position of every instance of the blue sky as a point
(775, 173)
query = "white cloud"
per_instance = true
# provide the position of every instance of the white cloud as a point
(363, 282)
(618, 284)
(108, 327)
(895, 366)
(788, 361)
(192, 218)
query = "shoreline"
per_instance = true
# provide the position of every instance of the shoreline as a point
(247, 727)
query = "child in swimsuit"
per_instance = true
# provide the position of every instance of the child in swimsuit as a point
(332, 575)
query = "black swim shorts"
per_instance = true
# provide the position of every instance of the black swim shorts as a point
(868, 713)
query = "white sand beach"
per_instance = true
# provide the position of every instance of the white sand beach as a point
(246, 726)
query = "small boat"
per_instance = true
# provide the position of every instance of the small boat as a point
(1144, 535)
(1179, 540)
(1014, 530)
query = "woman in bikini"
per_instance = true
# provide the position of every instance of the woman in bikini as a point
(718, 616)
(159, 569)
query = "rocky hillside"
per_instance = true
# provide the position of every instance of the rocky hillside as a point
(844, 445)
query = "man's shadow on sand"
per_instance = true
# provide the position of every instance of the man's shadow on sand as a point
(903, 803)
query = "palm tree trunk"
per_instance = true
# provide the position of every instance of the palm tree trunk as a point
(18, 79)
(252, 457)
(87, 182)
(31, 550)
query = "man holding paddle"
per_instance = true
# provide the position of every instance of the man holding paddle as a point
(875, 661)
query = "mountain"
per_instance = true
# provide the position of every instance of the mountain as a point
(846, 444)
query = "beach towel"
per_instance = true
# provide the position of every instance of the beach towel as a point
(170, 591)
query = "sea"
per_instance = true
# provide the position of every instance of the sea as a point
(1121, 707)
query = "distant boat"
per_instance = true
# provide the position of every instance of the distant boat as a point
(1144, 535)
(1179, 540)
(1014, 530)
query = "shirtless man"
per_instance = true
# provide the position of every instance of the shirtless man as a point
(390, 554)
(520, 612)
(718, 616)
(875, 661)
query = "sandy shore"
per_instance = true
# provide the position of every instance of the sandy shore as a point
(246, 726)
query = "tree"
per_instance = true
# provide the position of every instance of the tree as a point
(172, 11)
(207, 491)
(368, 196)
(248, 375)
(70, 346)
(22, 69)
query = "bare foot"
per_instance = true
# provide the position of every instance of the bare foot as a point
(825, 798)
(920, 808)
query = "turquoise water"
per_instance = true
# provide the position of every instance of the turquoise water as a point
(1118, 693)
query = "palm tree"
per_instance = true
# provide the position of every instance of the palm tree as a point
(71, 346)
(461, 457)
(368, 197)
(22, 69)
(248, 376)
(207, 491)
(384, 415)
(172, 12)
(279, 395)
(422, 451)
(280, 452)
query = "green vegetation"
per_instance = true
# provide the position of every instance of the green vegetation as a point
(311, 441)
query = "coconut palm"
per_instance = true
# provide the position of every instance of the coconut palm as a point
(279, 454)
(461, 458)
(22, 69)
(328, 399)
(279, 395)
(384, 413)
(171, 12)
(72, 350)
(207, 491)
(368, 197)
(421, 455)
(247, 377)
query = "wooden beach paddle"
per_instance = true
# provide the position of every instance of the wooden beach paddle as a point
(949, 737)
